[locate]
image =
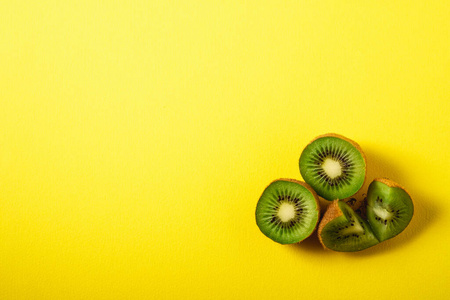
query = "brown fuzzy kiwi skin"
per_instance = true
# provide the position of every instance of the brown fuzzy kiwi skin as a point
(316, 198)
(355, 144)
(333, 212)
(391, 183)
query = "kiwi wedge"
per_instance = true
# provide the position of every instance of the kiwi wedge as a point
(389, 208)
(334, 166)
(341, 229)
(287, 211)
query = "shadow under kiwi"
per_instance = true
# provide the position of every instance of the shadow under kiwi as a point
(311, 245)
(425, 212)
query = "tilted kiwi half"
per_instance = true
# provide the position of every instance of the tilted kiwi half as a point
(288, 211)
(389, 208)
(334, 166)
(341, 229)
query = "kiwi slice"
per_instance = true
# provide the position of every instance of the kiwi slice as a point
(288, 211)
(389, 208)
(341, 229)
(334, 166)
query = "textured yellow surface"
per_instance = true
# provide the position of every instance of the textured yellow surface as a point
(137, 137)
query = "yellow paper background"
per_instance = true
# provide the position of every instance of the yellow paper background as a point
(137, 136)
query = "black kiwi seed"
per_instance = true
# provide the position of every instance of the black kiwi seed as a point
(389, 196)
(341, 233)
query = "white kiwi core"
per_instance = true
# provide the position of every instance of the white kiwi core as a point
(286, 212)
(382, 212)
(332, 168)
(357, 228)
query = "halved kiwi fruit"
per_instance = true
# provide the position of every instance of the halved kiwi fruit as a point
(287, 211)
(334, 166)
(341, 229)
(389, 208)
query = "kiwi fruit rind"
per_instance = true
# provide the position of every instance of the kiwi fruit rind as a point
(341, 229)
(334, 166)
(389, 208)
(287, 211)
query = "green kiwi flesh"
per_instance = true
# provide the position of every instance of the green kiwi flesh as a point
(343, 230)
(287, 211)
(389, 208)
(333, 166)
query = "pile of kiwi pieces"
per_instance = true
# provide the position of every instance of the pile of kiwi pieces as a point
(334, 168)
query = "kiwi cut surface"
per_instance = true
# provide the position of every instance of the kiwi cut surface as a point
(341, 229)
(389, 208)
(334, 166)
(287, 211)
